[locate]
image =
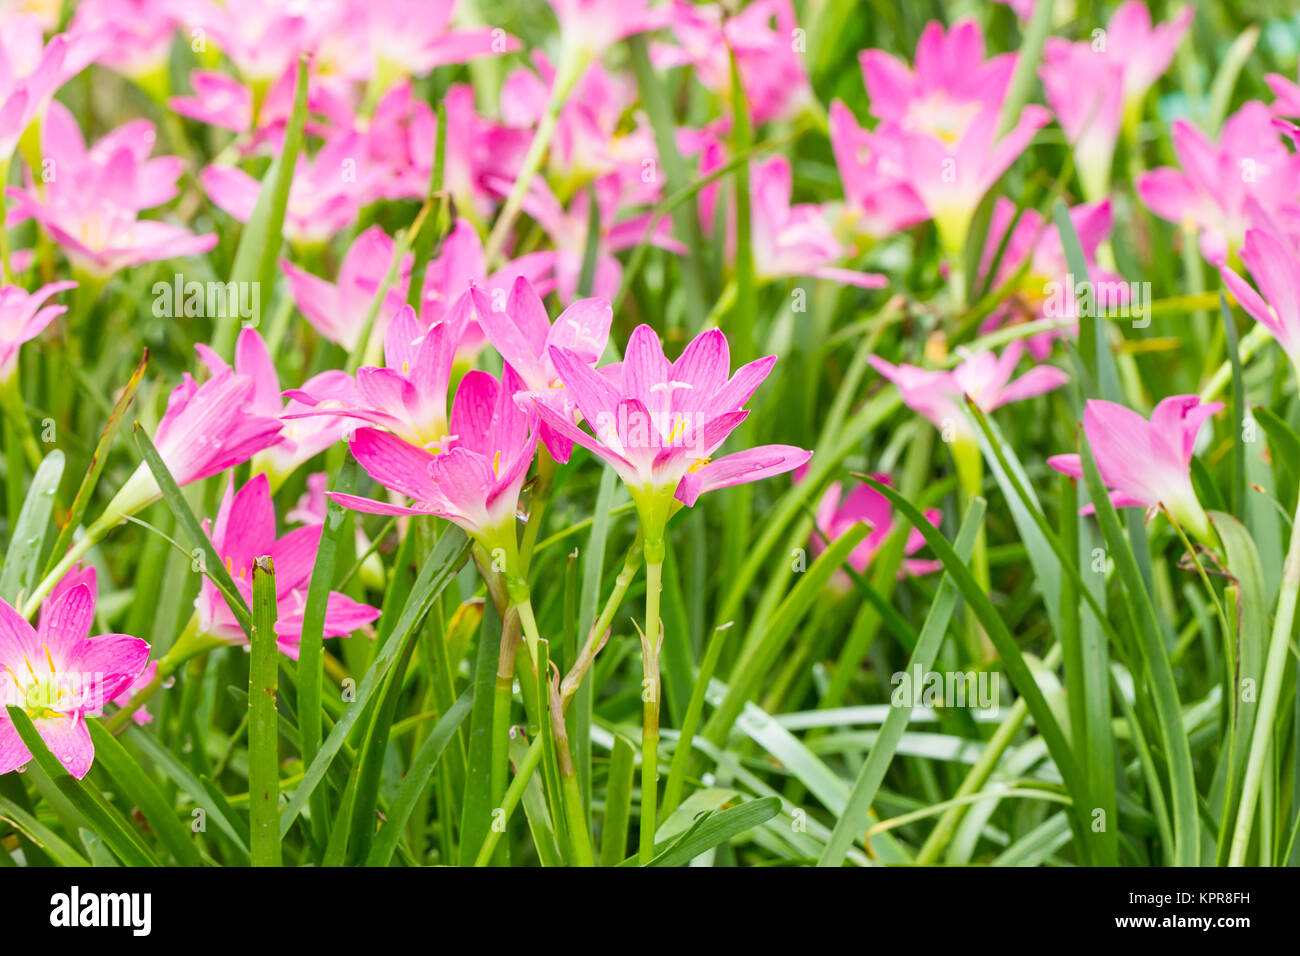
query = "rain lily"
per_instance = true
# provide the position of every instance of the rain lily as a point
(1272, 262)
(408, 395)
(658, 423)
(140, 715)
(134, 37)
(876, 184)
(60, 675)
(473, 478)
(838, 512)
(945, 116)
(1287, 93)
(1147, 464)
(206, 429)
(590, 27)
(523, 334)
(795, 240)
(1220, 185)
(262, 38)
(244, 531)
(23, 316)
(1045, 290)
(91, 205)
(986, 378)
(324, 199)
(302, 437)
(30, 72)
(760, 36)
(1095, 86)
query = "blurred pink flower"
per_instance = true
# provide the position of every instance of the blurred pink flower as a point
(133, 37)
(23, 316)
(1146, 463)
(986, 378)
(60, 675)
(1094, 86)
(838, 512)
(30, 73)
(1046, 289)
(1273, 264)
(1222, 187)
(89, 200)
(877, 187)
(244, 531)
(763, 40)
(590, 27)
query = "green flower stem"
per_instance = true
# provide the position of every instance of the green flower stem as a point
(1274, 669)
(543, 488)
(15, 409)
(572, 63)
(579, 834)
(6, 274)
(970, 480)
(596, 638)
(654, 553)
(502, 694)
(189, 645)
(524, 772)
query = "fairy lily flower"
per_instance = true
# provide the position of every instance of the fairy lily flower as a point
(877, 190)
(795, 240)
(524, 335)
(140, 715)
(1095, 86)
(23, 316)
(590, 27)
(1046, 289)
(92, 206)
(1287, 93)
(658, 423)
(1221, 184)
(221, 100)
(838, 512)
(60, 675)
(244, 531)
(30, 73)
(986, 378)
(324, 198)
(206, 429)
(473, 478)
(408, 395)
(134, 37)
(262, 38)
(1147, 464)
(302, 436)
(1272, 263)
(760, 37)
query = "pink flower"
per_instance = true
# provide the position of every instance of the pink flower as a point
(30, 73)
(324, 199)
(795, 240)
(1220, 185)
(261, 37)
(141, 715)
(1093, 86)
(760, 36)
(134, 37)
(986, 378)
(875, 177)
(837, 513)
(590, 27)
(1146, 464)
(92, 204)
(23, 316)
(206, 429)
(1045, 291)
(60, 675)
(523, 334)
(301, 437)
(1287, 93)
(944, 118)
(244, 531)
(221, 100)
(408, 396)
(658, 423)
(1273, 264)
(473, 478)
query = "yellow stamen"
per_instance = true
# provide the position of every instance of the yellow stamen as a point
(496, 465)
(48, 659)
(699, 463)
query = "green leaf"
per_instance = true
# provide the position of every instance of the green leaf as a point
(27, 538)
(263, 722)
(41, 835)
(259, 245)
(713, 829)
(853, 820)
